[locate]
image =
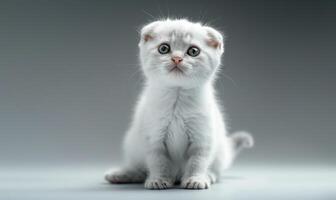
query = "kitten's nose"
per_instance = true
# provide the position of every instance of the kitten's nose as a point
(176, 59)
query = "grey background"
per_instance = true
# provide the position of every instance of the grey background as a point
(69, 77)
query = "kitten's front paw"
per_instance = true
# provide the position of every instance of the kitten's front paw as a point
(158, 183)
(196, 182)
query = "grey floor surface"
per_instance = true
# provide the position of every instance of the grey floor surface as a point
(238, 183)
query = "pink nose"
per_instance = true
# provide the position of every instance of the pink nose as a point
(176, 59)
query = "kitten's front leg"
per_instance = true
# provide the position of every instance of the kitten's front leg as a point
(160, 169)
(196, 171)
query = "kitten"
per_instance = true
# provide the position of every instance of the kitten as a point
(178, 133)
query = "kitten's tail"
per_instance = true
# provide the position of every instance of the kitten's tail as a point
(241, 140)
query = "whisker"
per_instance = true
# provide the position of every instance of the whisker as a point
(136, 71)
(161, 14)
(136, 76)
(231, 79)
(147, 13)
(126, 64)
(168, 12)
(211, 21)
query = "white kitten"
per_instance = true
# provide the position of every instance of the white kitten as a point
(178, 133)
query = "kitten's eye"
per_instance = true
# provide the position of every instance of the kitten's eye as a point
(164, 48)
(193, 51)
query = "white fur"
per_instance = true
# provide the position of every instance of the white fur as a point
(178, 132)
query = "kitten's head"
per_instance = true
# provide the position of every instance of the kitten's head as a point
(180, 53)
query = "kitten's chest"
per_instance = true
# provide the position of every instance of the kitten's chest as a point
(176, 137)
(174, 112)
(177, 128)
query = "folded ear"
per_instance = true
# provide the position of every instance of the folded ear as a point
(214, 39)
(147, 32)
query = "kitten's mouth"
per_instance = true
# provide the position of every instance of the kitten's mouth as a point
(175, 69)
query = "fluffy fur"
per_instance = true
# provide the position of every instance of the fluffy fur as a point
(178, 133)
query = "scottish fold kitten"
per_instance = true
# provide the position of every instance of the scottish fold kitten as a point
(178, 134)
